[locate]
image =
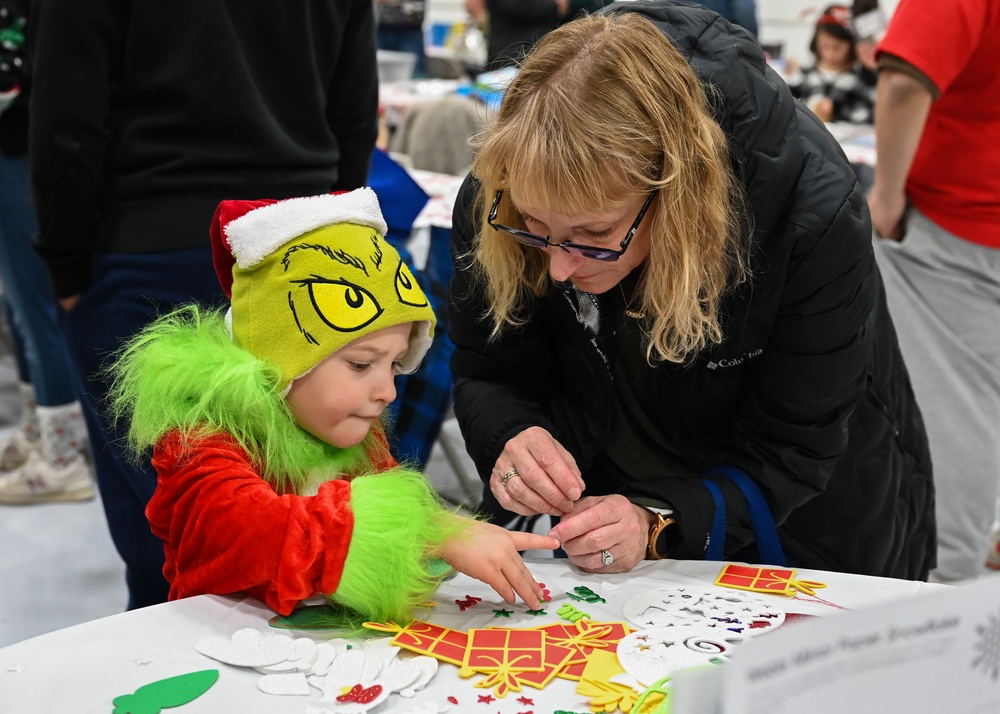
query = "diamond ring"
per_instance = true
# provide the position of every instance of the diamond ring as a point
(508, 476)
(607, 558)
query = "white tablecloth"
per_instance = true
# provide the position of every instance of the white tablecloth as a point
(82, 669)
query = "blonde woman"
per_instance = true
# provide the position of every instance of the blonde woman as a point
(670, 330)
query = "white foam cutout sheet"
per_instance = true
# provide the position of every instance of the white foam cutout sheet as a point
(248, 648)
(735, 610)
(325, 654)
(428, 667)
(650, 655)
(288, 684)
(306, 653)
(382, 648)
(348, 669)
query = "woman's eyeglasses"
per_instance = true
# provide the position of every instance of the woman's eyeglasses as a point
(585, 251)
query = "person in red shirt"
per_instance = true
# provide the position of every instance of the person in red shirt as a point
(274, 477)
(935, 209)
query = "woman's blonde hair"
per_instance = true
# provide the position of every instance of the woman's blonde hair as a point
(605, 109)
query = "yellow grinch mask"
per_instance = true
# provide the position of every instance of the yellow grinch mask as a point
(306, 276)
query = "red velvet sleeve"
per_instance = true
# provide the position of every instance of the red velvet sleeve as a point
(225, 530)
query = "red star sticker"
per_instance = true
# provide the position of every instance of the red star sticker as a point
(485, 698)
(527, 701)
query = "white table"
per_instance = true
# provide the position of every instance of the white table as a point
(82, 669)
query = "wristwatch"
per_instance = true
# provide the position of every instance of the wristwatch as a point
(664, 533)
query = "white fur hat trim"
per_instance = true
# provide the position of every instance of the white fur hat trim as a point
(255, 235)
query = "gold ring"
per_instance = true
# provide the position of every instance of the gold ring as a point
(508, 476)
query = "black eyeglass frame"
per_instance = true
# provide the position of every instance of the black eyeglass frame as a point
(608, 255)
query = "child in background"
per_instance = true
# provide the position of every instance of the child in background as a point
(837, 87)
(274, 476)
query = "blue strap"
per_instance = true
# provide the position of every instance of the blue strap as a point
(717, 538)
(764, 529)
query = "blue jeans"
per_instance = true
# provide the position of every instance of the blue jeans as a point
(404, 39)
(127, 292)
(29, 305)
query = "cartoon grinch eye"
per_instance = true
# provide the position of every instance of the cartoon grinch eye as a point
(341, 304)
(406, 287)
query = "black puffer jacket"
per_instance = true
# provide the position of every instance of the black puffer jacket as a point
(807, 393)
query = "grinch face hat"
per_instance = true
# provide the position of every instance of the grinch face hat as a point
(308, 275)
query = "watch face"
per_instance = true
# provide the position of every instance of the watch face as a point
(667, 539)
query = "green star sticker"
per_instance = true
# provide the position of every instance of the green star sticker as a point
(503, 613)
(537, 612)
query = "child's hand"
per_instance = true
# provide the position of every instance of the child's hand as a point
(490, 554)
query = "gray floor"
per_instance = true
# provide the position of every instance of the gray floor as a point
(58, 566)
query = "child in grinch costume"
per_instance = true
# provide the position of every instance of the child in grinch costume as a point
(274, 476)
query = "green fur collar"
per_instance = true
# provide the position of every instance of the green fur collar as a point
(184, 372)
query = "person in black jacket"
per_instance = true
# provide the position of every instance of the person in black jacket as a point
(670, 329)
(143, 120)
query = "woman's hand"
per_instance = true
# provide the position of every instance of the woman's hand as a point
(605, 523)
(541, 475)
(490, 554)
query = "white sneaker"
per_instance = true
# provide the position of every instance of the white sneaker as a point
(15, 448)
(37, 481)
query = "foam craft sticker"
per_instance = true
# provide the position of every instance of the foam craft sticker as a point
(503, 654)
(428, 667)
(309, 617)
(441, 643)
(766, 580)
(604, 694)
(326, 652)
(306, 653)
(571, 612)
(287, 684)
(166, 693)
(650, 655)
(584, 637)
(352, 685)
(248, 648)
(683, 605)
(556, 660)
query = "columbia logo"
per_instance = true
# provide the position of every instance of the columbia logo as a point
(735, 361)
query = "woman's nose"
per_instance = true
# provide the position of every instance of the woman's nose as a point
(562, 264)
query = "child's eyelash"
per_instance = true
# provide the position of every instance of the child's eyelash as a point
(359, 366)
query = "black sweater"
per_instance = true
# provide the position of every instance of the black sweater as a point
(145, 115)
(807, 393)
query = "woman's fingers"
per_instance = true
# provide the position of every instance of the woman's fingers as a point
(537, 473)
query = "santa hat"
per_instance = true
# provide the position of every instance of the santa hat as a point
(839, 15)
(306, 276)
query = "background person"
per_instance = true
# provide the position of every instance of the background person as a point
(44, 455)
(936, 211)
(719, 372)
(142, 121)
(837, 87)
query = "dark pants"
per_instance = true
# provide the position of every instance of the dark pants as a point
(127, 292)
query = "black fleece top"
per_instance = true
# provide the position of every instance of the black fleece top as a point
(807, 393)
(145, 115)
